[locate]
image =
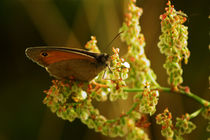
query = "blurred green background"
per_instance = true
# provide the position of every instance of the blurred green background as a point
(28, 23)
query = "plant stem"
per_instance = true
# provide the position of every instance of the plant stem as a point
(166, 89)
(132, 108)
(133, 90)
(197, 98)
(129, 112)
(196, 113)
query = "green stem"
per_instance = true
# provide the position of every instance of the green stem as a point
(166, 89)
(195, 97)
(132, 108)
(196, 113)
(133, 90)
(129, 112)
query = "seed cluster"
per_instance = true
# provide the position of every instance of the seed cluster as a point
(173, 43)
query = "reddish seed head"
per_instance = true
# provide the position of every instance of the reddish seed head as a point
(89, 87)
(187, 89)
(146, 125)
(99, 128)
(142, 123)
(184, 19)
(163, 16)
(206, 104)
(168, 3)
(50, 102)
(72, 78)
(45, 91)
(50, 91)
(80, 84)
(187, 116)
(169, 116)
(140, 10)
(132, 59)
(93, 117)
(164, 127)
(123, 114)
(117, 87)
(154, 94)
(129, 7)
(128, 15)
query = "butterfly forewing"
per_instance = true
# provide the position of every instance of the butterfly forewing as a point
(67, 63)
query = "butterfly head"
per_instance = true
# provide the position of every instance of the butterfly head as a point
(103, 59)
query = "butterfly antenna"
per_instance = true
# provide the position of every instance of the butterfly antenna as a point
(103, 77)
(114, 38)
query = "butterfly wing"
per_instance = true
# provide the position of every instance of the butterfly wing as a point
(45, 56)
(79, 69)
(66, 63)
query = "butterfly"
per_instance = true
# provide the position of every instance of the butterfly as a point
(69, 63)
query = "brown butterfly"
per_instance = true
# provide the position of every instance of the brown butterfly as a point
(69, 63)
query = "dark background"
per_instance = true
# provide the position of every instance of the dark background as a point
(27, 23)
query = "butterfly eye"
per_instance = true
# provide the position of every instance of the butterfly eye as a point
(44, 54)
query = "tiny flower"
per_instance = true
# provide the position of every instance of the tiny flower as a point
(84, 95)
(139, 64)
(126, 64)
(148, 100)
(173, 43)
(206, 113)
(183, 125)
(91, 45)
(137, 134)
(165, 119)
(84, 115)
(131, 123)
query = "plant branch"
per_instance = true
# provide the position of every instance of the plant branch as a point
(128, 113)
(166, 89)
(196, 113)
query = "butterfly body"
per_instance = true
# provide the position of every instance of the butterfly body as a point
(68, 63)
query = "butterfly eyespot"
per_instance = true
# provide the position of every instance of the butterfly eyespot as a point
(44, 54)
